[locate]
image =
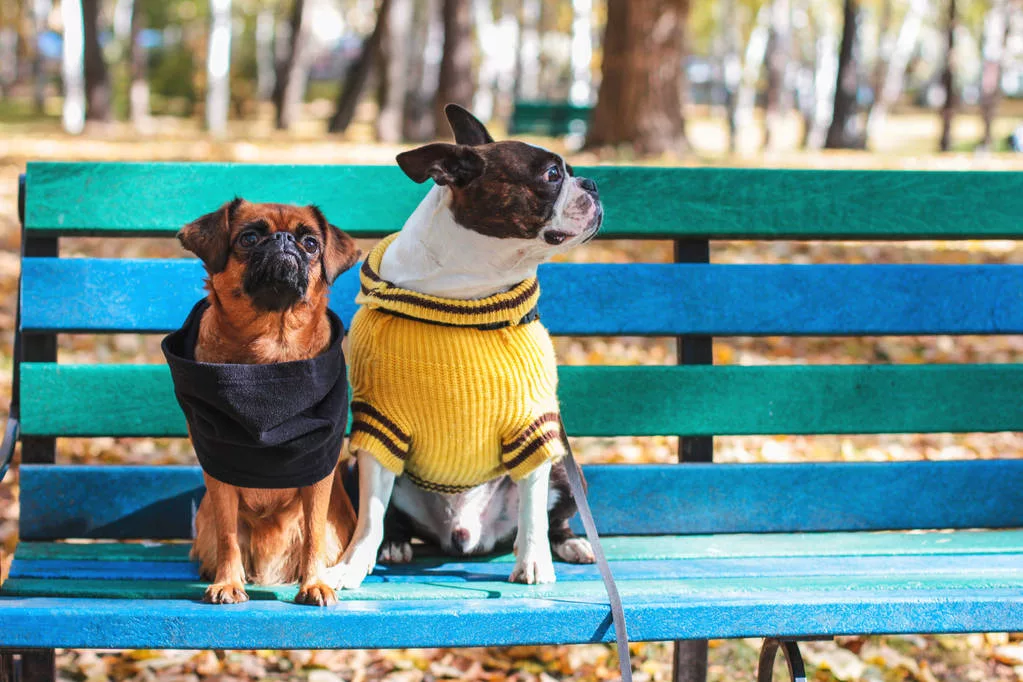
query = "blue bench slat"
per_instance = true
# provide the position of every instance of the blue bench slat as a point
(157, 502)
(440, 571)
(102, 295)
(674, 613)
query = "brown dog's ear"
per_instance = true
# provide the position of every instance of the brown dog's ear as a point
(447, 164)
(339, 250)
(209, 237)
(467, 128)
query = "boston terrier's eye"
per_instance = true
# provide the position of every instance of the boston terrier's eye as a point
(248, 238)
(310, 244)
(552, 174)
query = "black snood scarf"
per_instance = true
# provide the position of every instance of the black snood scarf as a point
(262, 426)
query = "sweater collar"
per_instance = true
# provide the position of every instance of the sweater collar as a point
(513, 307)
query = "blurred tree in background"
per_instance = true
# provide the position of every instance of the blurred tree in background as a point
(633, 71)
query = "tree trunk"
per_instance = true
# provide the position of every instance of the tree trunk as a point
(824, 78)
(73, 66)
(40, 14)
(756, 50)
(731, 68)
(996, 33)
(394, 63)
(8, 59)
(138, 96)
(294, 73)
(456, 81)
(489, 40)
(581, 91)
(640, 96)
(527, 79)
(358, 73)
(948, 110)
(97, 81)
(841, 133)
(218, 67)
(418, 124)
(266, 73)
(779, 100)
(884, 49)
(895, 74)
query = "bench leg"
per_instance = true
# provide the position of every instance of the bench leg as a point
(39, 665)
(765, 669)
(689, 662)
(6, 666)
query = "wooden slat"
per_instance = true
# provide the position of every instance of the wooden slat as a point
(158, 502)
(631, 547)
(102, 295)
(382, 595)
(431, 573)
(573, 612)
(137, 400)
(641, 202)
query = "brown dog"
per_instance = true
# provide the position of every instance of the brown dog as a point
(270, 267)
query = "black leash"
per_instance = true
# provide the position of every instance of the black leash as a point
(575, 481)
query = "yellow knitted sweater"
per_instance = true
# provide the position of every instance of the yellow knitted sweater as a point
(442, 401)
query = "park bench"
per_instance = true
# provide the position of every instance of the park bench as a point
(548, 118)
(700, 550)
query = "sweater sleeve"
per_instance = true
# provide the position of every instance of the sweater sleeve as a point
(380, 436)
(536, 441)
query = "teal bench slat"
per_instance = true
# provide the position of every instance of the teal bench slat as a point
(106, 295)
(453, 572)
(606, 400)
(158, 502)
(671, 611)
(641, 202)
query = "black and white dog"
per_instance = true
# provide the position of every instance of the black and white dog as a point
(498, 210)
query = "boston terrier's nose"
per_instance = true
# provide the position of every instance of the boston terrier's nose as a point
(588, 185)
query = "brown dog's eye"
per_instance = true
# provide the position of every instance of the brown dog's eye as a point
(248, 239)
(310, 245)
(552, 174)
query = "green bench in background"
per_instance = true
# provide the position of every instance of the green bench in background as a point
(550, 119)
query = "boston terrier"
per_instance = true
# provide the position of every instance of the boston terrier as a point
(497, 211)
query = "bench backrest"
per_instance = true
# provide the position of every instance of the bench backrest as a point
(552, 119)
(688, 300)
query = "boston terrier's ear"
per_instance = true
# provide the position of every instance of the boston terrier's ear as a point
(466, 127)
(209, 237)
(447, 164)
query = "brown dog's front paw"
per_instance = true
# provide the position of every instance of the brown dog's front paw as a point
(225, 593)
(316, 594)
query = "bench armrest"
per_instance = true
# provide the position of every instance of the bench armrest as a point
(7, 449)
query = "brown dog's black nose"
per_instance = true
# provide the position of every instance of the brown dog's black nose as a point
(588, 185)
(286, 236)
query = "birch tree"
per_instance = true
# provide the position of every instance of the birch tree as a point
(898, 62)
(394, 62)
(996, 32)
(948, 81)
(73, 66)
(218, 67)
(527, 79)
